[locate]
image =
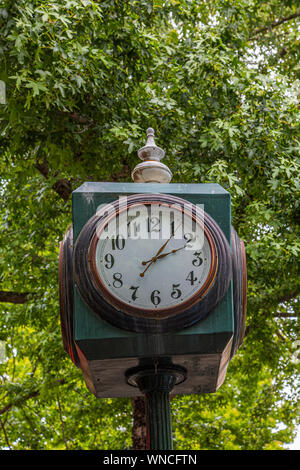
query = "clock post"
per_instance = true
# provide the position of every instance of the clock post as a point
(155, 378)
(152, 282)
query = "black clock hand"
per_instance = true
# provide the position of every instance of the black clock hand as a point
(163, 255)
(152, 260)
(158, 253)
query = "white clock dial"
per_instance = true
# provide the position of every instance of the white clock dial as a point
(153, 263)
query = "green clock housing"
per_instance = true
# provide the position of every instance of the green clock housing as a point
(105, 351)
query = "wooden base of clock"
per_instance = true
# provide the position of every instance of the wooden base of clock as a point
(205, 373)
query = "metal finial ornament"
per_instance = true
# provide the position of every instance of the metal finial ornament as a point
(151, 170)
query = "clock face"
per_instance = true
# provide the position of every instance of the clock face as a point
(153, 260)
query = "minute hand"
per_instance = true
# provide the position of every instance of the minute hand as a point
(155, 257)
(164, 254)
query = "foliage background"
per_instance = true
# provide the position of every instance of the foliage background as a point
(219, 81)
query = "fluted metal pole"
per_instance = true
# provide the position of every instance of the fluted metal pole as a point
(156, 382)
(157, 388)
(159, 421)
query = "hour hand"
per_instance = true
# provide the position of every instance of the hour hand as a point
(163, 255)
(157, 256)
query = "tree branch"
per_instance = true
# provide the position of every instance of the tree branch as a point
(5, 435)
(77, 117)
(287, 297)
(62, 186)
(14, 297)
(19, 402)
(276, 23)
(81, 119)
(62, 423)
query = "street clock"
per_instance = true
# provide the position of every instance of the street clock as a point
(152, 277)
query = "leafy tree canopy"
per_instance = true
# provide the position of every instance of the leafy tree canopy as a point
(219, 82)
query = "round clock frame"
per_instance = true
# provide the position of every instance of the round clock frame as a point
(66, 294)
(239, 278)
(157, 320)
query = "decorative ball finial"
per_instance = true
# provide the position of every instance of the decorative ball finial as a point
(150, 151)
(151, 170)
(150, 132)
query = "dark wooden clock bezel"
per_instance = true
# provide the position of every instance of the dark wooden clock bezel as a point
(158, 313)
(66, 294)
(100, 300)
(239, 278)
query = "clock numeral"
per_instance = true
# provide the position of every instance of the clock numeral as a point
(118, 242)
(176, 293)
(153, 224)
(134, 296)
(191, 277)
(117, 283)
(189, 237)
(110, 261)
(197, 261)
(155, 299)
